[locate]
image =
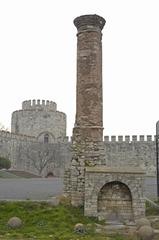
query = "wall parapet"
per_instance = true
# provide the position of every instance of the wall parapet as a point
(21, 137)
(39, 104)
(128, 138)
(18, 137)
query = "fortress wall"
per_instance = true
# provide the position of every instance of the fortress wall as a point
(25, 151)
(30, 156)
(16, 137)
(132, 151)
(128, 138)
(10, 143)
(119, 151)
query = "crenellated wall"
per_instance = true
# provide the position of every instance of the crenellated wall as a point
(134, 150)
(128, 152)
(38, 131)
(18, 137)
(39, 105)
(139, 151)
(128, 138)
(119, 151)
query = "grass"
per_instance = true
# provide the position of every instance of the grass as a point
(4, 174)
(151, 210)
(41, 221)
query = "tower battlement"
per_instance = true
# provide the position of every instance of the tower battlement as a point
(38, 118)
(39, 104)
(128, 139)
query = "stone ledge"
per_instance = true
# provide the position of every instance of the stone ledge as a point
(104, 169)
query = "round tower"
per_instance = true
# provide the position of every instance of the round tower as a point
(39, 119)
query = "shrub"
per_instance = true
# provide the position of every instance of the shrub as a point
(5, 163)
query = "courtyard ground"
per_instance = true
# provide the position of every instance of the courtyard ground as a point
(30, 188)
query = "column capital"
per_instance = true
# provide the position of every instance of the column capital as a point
(86, 22)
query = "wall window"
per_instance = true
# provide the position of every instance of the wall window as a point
(46, 138)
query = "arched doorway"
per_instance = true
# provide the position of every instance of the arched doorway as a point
(115, 202)
(49, 174)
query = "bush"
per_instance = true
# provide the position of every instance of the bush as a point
(5, 163)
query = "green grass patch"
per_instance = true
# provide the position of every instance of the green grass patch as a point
(4, 174)
(152, 210)
(41, 221)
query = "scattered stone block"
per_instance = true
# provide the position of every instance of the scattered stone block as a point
(142, 222)
(14, 222)
(79, 228)
(146, 233)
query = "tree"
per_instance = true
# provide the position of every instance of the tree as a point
(5, 163)
(40, 157)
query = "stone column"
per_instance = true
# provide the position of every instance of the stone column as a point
(89, 102)
(87, 141)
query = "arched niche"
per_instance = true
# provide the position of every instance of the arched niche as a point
(115, 202)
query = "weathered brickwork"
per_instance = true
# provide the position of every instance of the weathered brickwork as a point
(87, 144)
(89, 97)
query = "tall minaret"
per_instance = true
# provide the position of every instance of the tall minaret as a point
(89, 101)
(87, 140)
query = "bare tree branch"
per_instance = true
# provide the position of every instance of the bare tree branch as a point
(40, 157)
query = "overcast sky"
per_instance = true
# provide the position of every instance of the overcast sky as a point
(38, 59)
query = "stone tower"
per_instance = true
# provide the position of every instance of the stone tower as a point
(39, 119)
(89, 108)
(87, 141)
(89, 102)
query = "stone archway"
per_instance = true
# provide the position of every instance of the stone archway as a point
(49, 174)
(115, 202)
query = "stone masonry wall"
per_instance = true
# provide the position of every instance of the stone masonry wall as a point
(38, 118)
(131, 199)
(135, 151)
(88, 129)
(132, 151)
(121, 151)
(26, 154)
